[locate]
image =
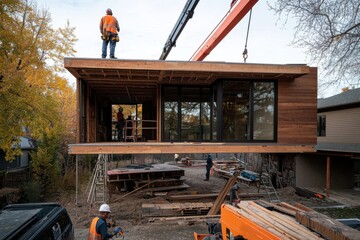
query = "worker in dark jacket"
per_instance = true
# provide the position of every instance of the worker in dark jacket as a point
(109, 28)
(209, 165)
(98, 227)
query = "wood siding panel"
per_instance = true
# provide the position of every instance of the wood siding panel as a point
(297, 108)
(342, 126)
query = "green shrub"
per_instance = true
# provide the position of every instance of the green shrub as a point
(31, 191)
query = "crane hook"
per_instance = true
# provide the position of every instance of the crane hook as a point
(245, 54)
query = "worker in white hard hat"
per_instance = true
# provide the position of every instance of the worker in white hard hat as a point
(98, 227)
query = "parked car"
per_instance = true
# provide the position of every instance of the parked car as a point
(35, 221)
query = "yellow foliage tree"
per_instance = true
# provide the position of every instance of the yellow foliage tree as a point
(32, 94)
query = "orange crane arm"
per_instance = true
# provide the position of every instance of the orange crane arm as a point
(235, 14)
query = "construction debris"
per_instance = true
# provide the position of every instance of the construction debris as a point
(175, 209)
(158, 176)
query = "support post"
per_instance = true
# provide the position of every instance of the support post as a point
(328, 165)
(77, 184)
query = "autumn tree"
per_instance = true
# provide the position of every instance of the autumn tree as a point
(32, 94)
(330, 32)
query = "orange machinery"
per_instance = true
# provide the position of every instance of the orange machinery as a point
(234, 224)
(237, 11)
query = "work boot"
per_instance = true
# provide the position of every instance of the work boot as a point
(113, 57)
(206, 179)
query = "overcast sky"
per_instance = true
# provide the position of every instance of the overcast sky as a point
(145, 26)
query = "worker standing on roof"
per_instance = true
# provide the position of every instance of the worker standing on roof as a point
(98, 227)
(109, 28)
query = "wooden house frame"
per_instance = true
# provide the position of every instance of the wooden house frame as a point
(248, 107)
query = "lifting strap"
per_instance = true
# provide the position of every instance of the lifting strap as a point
(245, 52)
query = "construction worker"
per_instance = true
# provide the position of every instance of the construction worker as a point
(234, 197)
(120, 124)
(98, 227)
(209, 165)
(109, 28)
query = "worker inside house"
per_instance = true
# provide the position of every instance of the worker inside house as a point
(99, 227)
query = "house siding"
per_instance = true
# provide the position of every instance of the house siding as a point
(297, 108)
(342, 126)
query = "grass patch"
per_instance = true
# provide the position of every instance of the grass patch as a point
(340, 212)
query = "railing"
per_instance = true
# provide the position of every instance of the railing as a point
(134, 132)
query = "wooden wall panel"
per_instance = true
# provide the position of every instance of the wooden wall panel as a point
(297, 109)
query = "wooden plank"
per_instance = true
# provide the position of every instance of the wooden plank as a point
(202, 218)
(268, 221)
(213, 195)
(279, 208)
(77, 65)
(328, 227)
(303, 207)
(175, 209)
(288, 222)
(285, 224)
(222, 195)
(181, 148)
(161, 189)
(260, 222)
(288, 206)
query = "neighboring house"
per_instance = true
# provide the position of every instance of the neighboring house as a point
(338, 144)
(16, 170)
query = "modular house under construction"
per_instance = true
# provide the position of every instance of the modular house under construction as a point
(196, 107)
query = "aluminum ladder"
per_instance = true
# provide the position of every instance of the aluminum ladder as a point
(265, 178)
(98, 180)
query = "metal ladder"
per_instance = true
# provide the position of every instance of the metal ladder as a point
(98, 180)
(266, 181)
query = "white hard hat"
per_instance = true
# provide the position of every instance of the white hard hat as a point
(104, 208)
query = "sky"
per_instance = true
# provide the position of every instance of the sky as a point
(145, 26)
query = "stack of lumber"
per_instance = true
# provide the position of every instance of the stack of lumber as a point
(175, 209)
(294, 222)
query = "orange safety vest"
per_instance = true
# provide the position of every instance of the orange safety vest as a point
(93, 235)
(108, 23)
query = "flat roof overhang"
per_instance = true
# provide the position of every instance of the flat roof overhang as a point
(138, 79)
(185, 147)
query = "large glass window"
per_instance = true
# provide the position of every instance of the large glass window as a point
(235, 110)
(232, 110)
(171, 121)
(192, 123)
(263, 110)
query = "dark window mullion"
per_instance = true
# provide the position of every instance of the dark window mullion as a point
(251, 113)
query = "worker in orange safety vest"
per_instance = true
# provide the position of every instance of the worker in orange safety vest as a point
(98, 228)
(109, 28)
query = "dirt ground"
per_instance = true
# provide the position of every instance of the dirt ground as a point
(127, 211)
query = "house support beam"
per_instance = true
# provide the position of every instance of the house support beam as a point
(183, 147)
(328, 167)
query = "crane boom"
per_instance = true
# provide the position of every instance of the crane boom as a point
(233, 16)
(184, 17)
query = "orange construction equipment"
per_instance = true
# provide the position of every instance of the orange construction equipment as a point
(235, 14)
(234, 224)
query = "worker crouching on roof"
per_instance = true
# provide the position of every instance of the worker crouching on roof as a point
(109, 28)
(98, 227)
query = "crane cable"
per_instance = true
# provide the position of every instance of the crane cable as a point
(245, 52)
